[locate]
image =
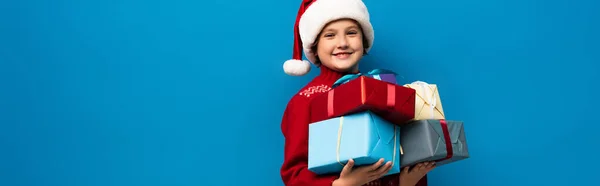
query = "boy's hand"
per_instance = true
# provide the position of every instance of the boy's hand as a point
(412, 177)
(351, 176)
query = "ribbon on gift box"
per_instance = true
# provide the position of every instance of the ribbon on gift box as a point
(339, 141)
(449, 151)
(375, 73)
(390, 102)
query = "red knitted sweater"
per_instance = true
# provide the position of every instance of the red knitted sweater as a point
(294, 127)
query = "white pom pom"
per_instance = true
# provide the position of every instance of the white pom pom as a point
(296, 67)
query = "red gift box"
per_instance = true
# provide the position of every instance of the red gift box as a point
(391, 102)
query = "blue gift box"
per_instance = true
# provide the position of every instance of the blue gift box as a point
(363, 137)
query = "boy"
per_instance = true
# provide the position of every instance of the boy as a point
(334, 35)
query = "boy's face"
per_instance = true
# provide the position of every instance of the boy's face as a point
(340, 45)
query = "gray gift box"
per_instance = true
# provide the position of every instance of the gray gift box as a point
(424, 140)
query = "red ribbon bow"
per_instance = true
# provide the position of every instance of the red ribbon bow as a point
(449, 150)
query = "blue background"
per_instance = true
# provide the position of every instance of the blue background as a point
(180, 92)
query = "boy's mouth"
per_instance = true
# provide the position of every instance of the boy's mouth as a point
(342, 54)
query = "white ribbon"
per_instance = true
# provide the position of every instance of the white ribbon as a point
(431, 99)
(377, 77)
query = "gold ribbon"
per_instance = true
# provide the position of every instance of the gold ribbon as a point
(339, 141)
(401, 151)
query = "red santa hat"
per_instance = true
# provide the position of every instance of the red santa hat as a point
(312, 16)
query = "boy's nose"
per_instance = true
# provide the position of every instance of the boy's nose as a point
(343, 43)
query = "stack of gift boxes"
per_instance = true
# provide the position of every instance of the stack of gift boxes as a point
(366, 117)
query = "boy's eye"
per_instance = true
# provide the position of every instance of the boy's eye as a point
(352, 32)
(328, 35)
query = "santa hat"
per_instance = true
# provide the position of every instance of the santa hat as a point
(312, 16)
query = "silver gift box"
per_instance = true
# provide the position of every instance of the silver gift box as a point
(423, 140)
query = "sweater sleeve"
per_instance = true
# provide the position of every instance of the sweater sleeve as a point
(394, 180)
(422, 182)
(294, 126)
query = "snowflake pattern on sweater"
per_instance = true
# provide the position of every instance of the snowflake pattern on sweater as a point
(315, 89)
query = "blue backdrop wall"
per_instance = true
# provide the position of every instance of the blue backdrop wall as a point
(191, 93)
